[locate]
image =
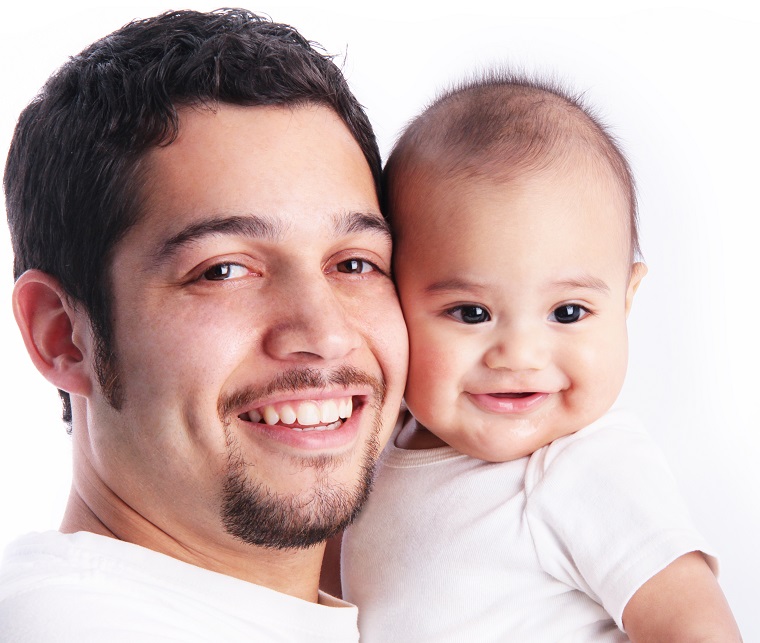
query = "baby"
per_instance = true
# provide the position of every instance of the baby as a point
(511, 504)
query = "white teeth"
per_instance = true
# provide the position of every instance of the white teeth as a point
(311, 415)
(270, 415)
(308, 413)
(345, 408)
(329, 412)
(288, 415)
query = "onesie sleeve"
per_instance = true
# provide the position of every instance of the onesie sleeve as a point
(605, 512)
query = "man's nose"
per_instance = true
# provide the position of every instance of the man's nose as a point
(519, 347)
(309, 321)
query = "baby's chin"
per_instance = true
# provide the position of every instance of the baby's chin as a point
(503, 437)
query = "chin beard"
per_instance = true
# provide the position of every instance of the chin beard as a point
(260, 516)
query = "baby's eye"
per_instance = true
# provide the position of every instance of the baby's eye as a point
(469, 314)
(355, 266)
(224, 271)
(568, 313)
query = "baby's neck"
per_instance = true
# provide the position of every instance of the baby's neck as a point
(413, 436)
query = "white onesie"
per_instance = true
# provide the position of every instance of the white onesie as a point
(546, 548)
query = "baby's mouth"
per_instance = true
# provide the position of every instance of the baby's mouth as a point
(514, 395)
(303, 415)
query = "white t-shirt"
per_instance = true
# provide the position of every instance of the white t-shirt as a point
(85, 588)
(546, 548)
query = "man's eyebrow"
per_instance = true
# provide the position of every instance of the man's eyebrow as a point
(354, 222)
(250, 226)
(261, 227)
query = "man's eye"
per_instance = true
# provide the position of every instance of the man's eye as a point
(568, 313)
(470, 314)
(224, 271)
(355, 266)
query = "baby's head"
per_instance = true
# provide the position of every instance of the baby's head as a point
(514, 217)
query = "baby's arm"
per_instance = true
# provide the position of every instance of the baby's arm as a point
(681, 604)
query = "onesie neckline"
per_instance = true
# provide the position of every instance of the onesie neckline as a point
(398, 458)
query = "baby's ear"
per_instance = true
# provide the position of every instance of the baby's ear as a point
(638, 270)
(54, 331)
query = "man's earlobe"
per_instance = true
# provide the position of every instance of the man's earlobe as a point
(638, 271)
(53, 330)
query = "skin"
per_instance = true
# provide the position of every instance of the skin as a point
(511, 258)
(294, 280)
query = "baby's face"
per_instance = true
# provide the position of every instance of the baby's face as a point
(516, 297)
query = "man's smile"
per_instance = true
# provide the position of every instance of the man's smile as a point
(321, 415)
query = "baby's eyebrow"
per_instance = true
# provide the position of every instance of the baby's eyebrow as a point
(453, 285)
(585, 281)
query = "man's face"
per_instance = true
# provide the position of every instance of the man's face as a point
(260, 348)
(515, 296)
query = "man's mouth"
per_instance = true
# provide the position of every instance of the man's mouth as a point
(303, 415)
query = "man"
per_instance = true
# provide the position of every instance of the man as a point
(204, 273)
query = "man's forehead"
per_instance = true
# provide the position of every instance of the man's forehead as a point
(256, 172)
(202, 124)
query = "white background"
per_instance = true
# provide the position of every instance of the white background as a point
(677, 82)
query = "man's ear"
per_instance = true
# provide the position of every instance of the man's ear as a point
(54, 331)
(638, 270)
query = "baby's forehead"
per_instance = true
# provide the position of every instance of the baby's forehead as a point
(587, 170)
(438, 195)
(537, 229)
(572, 201)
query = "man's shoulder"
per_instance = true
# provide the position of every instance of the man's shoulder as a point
(33, 559)
(83, 587)
(54, 559)
(54, 583)
(50, 589)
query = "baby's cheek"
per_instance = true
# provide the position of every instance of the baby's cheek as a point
(422, 371)
(434, 362)
(610, 360)
(432, 373)
(597, 375)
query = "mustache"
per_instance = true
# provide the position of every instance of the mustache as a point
(300, 379)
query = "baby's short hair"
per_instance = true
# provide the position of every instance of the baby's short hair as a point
(499, 126)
